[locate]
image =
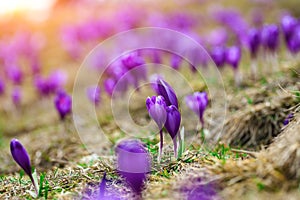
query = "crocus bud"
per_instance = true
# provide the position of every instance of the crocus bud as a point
(93, 94)
(156, 107)
(197, 102)
(133, 163)
(270, 37)
(21, 157)
(253, 41)
(233, 56)
(63, 104)
(165, 90)
(172, 124)
(218, 55)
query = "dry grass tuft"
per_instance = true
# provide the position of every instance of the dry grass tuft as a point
(258, 124)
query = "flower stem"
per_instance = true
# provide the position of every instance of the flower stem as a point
(175, 147)
(160, 146)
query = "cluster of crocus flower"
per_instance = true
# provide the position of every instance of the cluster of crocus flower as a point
(51, 84)
(163, 109)
(127, 71)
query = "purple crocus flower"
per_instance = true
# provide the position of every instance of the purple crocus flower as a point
(135, 173)
(288, 24)
(93, 94)
(165, 90)
(270, 37)
(197, 102)
(16, 96)
(233, 56)
(21, 157)
(294, 41)
(156, 107)
(218, 55)
(172, 124)
(2, 87)
(253, 41)
(63, 104)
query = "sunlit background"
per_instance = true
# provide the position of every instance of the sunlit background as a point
(36, 9)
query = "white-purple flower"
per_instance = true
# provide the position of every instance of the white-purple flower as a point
(156, 107)
(197, 102)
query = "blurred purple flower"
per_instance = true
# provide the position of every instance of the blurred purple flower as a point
(181, 21)
(15, 74)
(93, 94)
(288, 119)
(2, 87)
(21, 157)
(203, 192)
(16, 96)
(56, 80)
(42, 85)
(288, 24)
(172, 125)
(134, 174)
(233, 56)
(132, 60)
(253, 41)
(232, 19)
(294, 41)
(109, 86)
(218, 55)
(270, 37)
(197, 102)
(175, 61)
(218, 37)
(165, 90)
(51, 84)
(63, 104)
